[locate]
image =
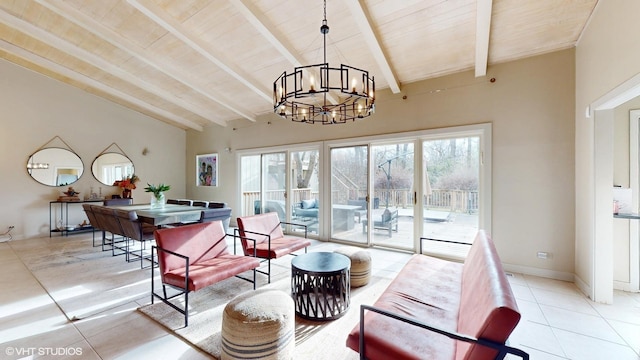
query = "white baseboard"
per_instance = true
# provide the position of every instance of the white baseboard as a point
(583, 286)
(624, 286)
(546, 273)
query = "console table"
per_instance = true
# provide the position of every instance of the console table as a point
(64, 217)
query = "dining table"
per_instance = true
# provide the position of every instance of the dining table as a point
(168, 214)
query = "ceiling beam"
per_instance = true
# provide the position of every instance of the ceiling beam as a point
(156, 14)
(483, 29)
(106, 34)
(89, 58)
(260, 22)
(83, 79)
(370, 38)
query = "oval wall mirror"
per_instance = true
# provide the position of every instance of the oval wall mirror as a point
(109, 167)
(55, 166)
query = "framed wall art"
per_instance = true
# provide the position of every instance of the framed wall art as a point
(207, 170)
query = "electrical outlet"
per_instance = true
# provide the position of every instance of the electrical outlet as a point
(543, 255)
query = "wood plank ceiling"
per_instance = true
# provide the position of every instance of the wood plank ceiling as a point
(197, 63)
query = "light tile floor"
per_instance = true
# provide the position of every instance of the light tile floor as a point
(94, 315)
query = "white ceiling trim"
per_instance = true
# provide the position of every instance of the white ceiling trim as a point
(372, 42)
(48, 64)
(83, 55)
(483, 29)
(132, 49)
(156, 14)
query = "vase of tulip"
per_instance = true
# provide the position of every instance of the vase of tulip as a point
(158, 199)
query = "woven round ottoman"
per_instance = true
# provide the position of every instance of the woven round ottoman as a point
(360, 264)
(259, 324)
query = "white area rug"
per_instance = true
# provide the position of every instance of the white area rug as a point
(314, 339)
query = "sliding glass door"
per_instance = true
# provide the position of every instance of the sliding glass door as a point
(392, 210)
(349, 189)
(381, 191)
(264, 184)
(285, 182)
(451, 188)
(305, 189)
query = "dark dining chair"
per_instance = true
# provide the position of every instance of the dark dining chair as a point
(115, 202)
(93, 220)
(135, 230)
(179, 202)
(110, 223)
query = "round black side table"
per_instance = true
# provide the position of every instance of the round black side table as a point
(320, 285)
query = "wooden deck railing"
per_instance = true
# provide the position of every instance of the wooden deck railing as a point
(462, 201)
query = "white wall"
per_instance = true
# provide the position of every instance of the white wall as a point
(531, 106)
(607, 55)
(36, 108)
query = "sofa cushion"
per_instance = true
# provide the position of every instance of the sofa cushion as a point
(200, 248)
(308, 204)
(279, 247)
(201, 274)
(426, 288)
(206, 247)
(488, 309)
(267, 223)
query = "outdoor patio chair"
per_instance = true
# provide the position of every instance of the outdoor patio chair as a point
(388, 221)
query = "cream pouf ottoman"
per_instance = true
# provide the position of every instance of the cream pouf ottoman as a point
(259, 324)
(360, 264)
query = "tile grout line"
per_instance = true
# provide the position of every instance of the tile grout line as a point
(70, 321)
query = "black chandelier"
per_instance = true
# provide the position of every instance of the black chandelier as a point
(342, 94)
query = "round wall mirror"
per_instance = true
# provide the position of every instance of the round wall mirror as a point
(110, 167)
(55, 166)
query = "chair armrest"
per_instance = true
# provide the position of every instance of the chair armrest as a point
(296, 224)
(254, 240)
(236, 235)
(502, 349)
(440, 240)
(186, 262)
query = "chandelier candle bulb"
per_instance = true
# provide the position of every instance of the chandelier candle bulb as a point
(341, 102)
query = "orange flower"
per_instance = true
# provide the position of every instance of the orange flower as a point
(128, 183)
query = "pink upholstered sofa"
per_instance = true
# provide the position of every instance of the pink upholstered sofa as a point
(193, 257)
(439, 309)
(262, 236)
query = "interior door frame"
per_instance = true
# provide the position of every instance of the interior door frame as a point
(634, 184)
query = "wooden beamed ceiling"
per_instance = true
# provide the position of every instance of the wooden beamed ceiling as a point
(198, 63)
